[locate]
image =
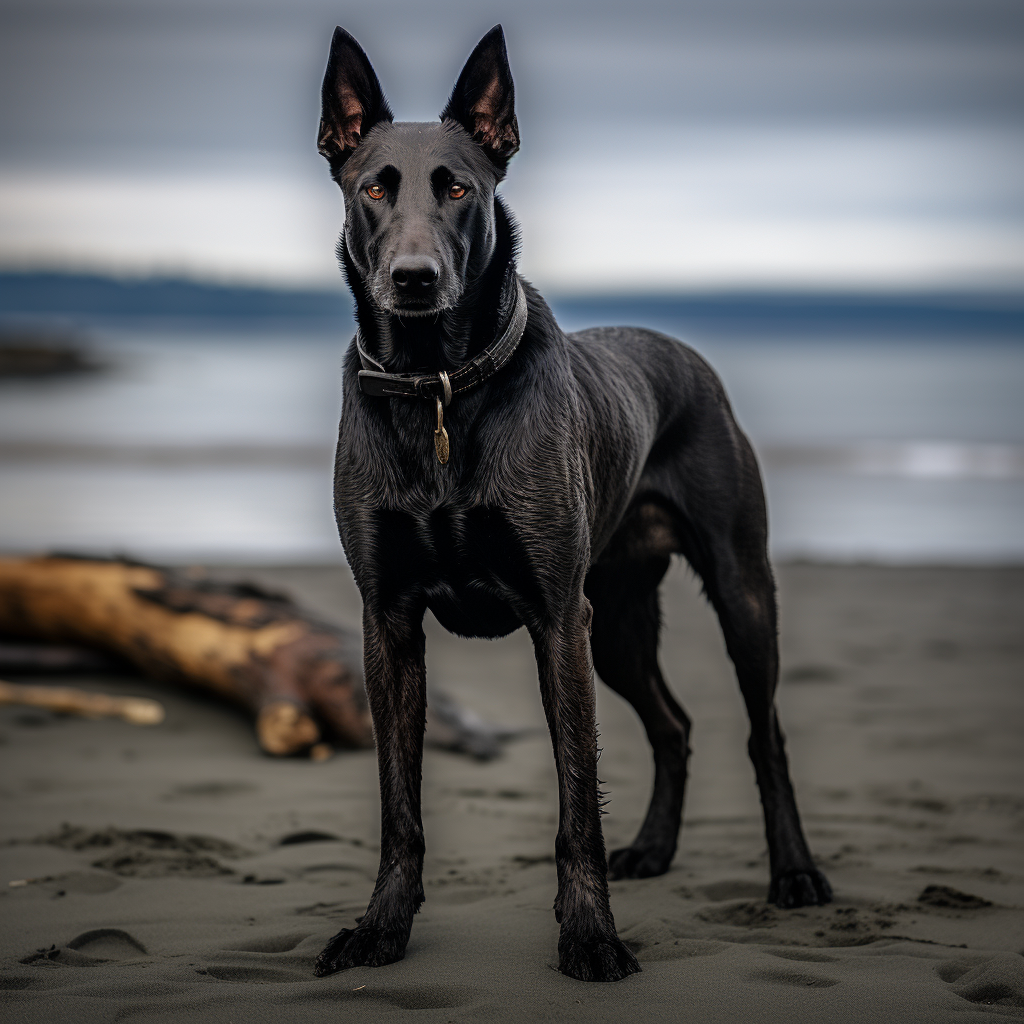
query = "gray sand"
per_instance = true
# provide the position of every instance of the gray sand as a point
(903, 706)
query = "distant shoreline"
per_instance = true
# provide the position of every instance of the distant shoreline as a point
(49, 297)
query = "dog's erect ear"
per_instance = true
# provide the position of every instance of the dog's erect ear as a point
(353, 101)
(483, 100)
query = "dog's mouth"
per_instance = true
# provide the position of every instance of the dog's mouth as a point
(402, 310)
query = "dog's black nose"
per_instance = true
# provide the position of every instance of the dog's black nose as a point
(414, 275)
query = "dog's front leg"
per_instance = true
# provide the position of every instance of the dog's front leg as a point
(588, 947)
(393, 649)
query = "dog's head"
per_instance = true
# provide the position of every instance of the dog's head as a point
(419, 198)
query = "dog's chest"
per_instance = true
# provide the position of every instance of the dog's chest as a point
(470, 565)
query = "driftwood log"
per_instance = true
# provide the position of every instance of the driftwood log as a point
(300, 677)
(68, 701)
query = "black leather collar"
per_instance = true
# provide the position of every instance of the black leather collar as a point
(373, 380)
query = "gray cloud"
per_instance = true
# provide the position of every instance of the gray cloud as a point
(789, 133)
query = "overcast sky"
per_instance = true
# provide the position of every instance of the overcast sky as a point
(665, 145)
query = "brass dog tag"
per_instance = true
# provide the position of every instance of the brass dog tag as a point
(441, 436)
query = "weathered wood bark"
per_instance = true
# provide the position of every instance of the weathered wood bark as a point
(300, 677)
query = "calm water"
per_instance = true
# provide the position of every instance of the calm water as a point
(217, 446)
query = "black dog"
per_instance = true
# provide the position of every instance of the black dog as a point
(504, 474)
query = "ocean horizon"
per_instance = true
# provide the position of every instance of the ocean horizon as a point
(888, 424)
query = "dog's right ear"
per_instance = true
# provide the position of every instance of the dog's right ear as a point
(353, 101)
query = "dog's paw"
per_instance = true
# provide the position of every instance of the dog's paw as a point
(602, 960)
(360, 947)
(808, 888)
(639, 862)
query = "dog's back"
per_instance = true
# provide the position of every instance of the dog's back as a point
(657, 428)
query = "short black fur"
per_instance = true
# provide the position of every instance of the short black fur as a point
(576, 472)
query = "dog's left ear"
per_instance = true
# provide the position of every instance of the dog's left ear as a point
(353, 101)
(483, 100)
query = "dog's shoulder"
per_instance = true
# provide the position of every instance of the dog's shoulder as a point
(628, 358)
(602, 352)
(639, 344)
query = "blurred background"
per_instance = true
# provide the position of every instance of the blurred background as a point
(827, 200)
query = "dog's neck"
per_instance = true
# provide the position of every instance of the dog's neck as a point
(445, 341)
(441, 342)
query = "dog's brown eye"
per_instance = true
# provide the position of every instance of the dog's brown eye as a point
(375, 191)
(457, 191)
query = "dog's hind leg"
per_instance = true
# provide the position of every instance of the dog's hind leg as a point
(624, 641)
(726, 543)
(744, 597)
(394, 650)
